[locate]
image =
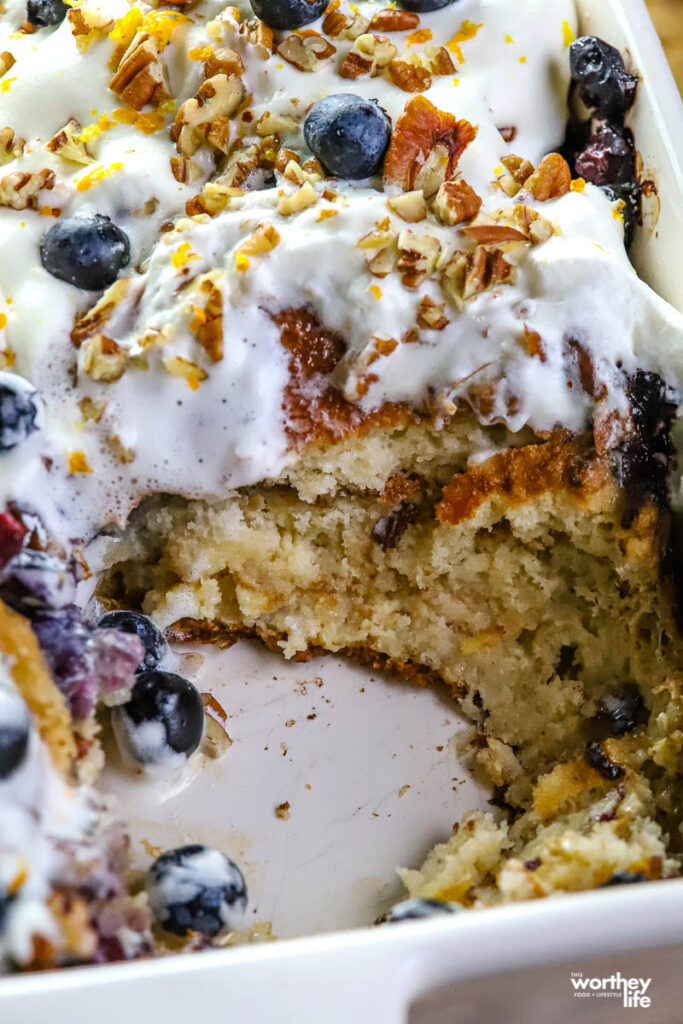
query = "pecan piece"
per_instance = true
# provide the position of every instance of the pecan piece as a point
(139, 79)
(204, 117)
(7, 61)
(420, 128)
(431, 315)
(87, 26)
(369, 55)
(207, 323)
(409, 77)
(394, 20)
(11, 146)
(19, 190)
(410, 206)
(306, 51)
(67, 144)
(418, 256)
(551, 178)
(455, 202)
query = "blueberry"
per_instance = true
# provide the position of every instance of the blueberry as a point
(18, 411)
(65, 643)
(36, 581)
(164, 717)
(596, 757)
(46, 12)
(14, 731)
(88, 251)
(608, 156)
(415, 909)
(624, 878)
(629, 194)
(348, 134)
(423, 6)
(196, 889)
(604, 82)
(133, 622)
(288, 13)
(622, 712)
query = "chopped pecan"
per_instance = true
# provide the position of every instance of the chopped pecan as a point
(263, 239)
(223, 61)
(178, 366)
(431, 314)
(306, 50)
(293, 171)
(103, 359)
(11, 146)
(94, 320)
(382, 247)
(275, 124)
(295, 202)
(468, 274)
(519, 224)
(410, 206)
(334, 22)
(519, 168)
(551, 178)
(214, 198)
(369, 55)
(207, 322)
(205, 116)
(6, 62)
(393, 20)
(455, 202)
(409, 77)
(67, 144)
(88, 25)
(241, 164)
(418, 256)
(437, 60)
(419, 129)
(534, 343)
(19, 190)
(139, 79)
(259, 35)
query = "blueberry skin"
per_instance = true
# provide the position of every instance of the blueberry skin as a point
(134, 622)
(46, 12)
(170, 701)
(604, 82)
(416, 909)
(36, 581)
(14, 732)
(348, 134)
(194, 888)
(423, 6)
(624, 878)
(87, 251)
(18, 411)
(282, 14)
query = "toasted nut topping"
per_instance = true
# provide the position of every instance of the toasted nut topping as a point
(383, 249)
(139, 79)
(419, 129)
(241, 163)
(102, 359)
(6, 62)
(418, 255)
(11, 146)
(306, 51)
(334, 23)
(88, 25)
(519, 168)
(207, 321)
(94, 320)
(68, 144)
(551, 178)
(519, 224)
(468, 274)
(275, 124)
(258, 34)
(455, 202)
(204, 117)
(19, 190)
(223, 61)
(295, 202)
(534, 344)
(410, 206)
(392, 20)
(369, 55)
(431, 314)
(409, 77)
(214, 198)
(260, 241)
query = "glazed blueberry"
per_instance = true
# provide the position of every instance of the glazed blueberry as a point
(134, 622)
(423, 6)
(282, 14)
(46, 12)
(604, 82)
(629, 195)
(14, 732)
(348, 134)
(608, 156)
(622, 712)
(596, 757)
(18, 411)
(196, 889)
(88, 251)
(415, 909)
(624, 878)
(163, 718)
(36, 581)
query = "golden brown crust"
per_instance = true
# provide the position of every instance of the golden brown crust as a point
(562, 463)
(315, 410)
(32, 678)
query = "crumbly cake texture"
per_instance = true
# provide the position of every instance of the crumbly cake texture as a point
(422, 419)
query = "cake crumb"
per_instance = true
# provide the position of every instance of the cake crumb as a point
(282, 811)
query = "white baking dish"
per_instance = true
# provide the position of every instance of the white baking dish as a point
(343, 766)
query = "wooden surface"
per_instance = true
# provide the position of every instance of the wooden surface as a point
(668, 17)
